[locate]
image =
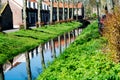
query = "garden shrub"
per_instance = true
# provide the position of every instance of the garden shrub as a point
(112, 32)
(83, 60)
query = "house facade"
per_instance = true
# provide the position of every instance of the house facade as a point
(32, 10)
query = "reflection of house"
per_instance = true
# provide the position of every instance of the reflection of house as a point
(6, 21)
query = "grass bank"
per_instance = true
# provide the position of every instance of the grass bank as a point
(12, 44)
(84, 60)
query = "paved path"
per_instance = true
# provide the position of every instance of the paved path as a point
(13, 30)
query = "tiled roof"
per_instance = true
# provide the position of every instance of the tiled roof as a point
(47, 2)
(65, 4)
(32, 0)
(79, 5)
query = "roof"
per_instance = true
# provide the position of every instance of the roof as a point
(80, 5)
(65, 4)
(20, 3)
(2, 8)
(32, 0)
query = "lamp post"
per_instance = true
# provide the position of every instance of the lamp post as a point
(97, 1)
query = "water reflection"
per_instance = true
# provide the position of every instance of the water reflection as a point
(19, 72)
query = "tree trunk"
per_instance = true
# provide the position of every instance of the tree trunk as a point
(53, 48)
(24, 14)
(73, 34)
(0, 18)
(1, 73)
(51, 11)
(0, 6)
(36, 50)
(77, 10)
(68, 10)
(42, 56)
(63, 9)
(58, 10)
(32, 53)
(0, 22)
(39, 13)
(28, 66)
(78, 31)
(59, 42)
(65, 42)
(69, 37)
(72, 9)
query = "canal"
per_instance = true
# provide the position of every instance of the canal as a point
(17, 69)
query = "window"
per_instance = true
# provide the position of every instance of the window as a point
(34, 5)
(44, 7)
(29, 4)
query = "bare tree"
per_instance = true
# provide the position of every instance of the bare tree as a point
(76, 9)
(39, 14)
(63, 16)
(58, 10)
(24, 14)
(68, 11)
(51, 11)
(72, 9)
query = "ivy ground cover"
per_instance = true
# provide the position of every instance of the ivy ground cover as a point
(84, 60)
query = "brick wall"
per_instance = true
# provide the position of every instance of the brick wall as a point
(17, 14)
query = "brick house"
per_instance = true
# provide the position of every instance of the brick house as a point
(17, 10)
(79, 6)
(6, 18)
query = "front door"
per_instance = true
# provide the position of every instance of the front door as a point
(32, 18)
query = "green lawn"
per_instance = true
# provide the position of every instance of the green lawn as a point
(14, 43)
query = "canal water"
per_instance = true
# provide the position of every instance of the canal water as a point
(19, 72)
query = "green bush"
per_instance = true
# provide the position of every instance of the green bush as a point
(83, 60)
